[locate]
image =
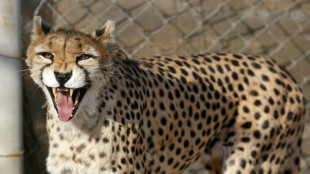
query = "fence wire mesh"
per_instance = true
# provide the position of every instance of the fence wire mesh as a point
(279, 29)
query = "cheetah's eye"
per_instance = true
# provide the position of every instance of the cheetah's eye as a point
(84, 57)
(47, 55)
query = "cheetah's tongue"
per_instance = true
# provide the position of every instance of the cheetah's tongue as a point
(65, 105)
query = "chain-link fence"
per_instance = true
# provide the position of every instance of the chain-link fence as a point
(275, 28)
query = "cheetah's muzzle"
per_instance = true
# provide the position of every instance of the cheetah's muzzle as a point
(66, 101)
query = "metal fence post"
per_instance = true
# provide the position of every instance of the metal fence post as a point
(11, 143)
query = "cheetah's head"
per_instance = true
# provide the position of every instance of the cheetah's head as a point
(66, 63)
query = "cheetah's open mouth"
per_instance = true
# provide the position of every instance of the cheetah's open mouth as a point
(66, 101)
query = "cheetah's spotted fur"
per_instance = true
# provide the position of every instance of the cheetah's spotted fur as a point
(162, 114)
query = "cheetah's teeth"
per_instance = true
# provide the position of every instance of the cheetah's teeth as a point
(71, 91)
(61, 89)
(77, 98)
(55, 94)
(54, 91)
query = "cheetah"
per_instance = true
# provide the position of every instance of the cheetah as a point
(234, 113)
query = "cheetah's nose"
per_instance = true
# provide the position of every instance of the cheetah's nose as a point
(62, 78)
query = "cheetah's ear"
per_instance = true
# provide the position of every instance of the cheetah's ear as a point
(39, 27)
(106, 32)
